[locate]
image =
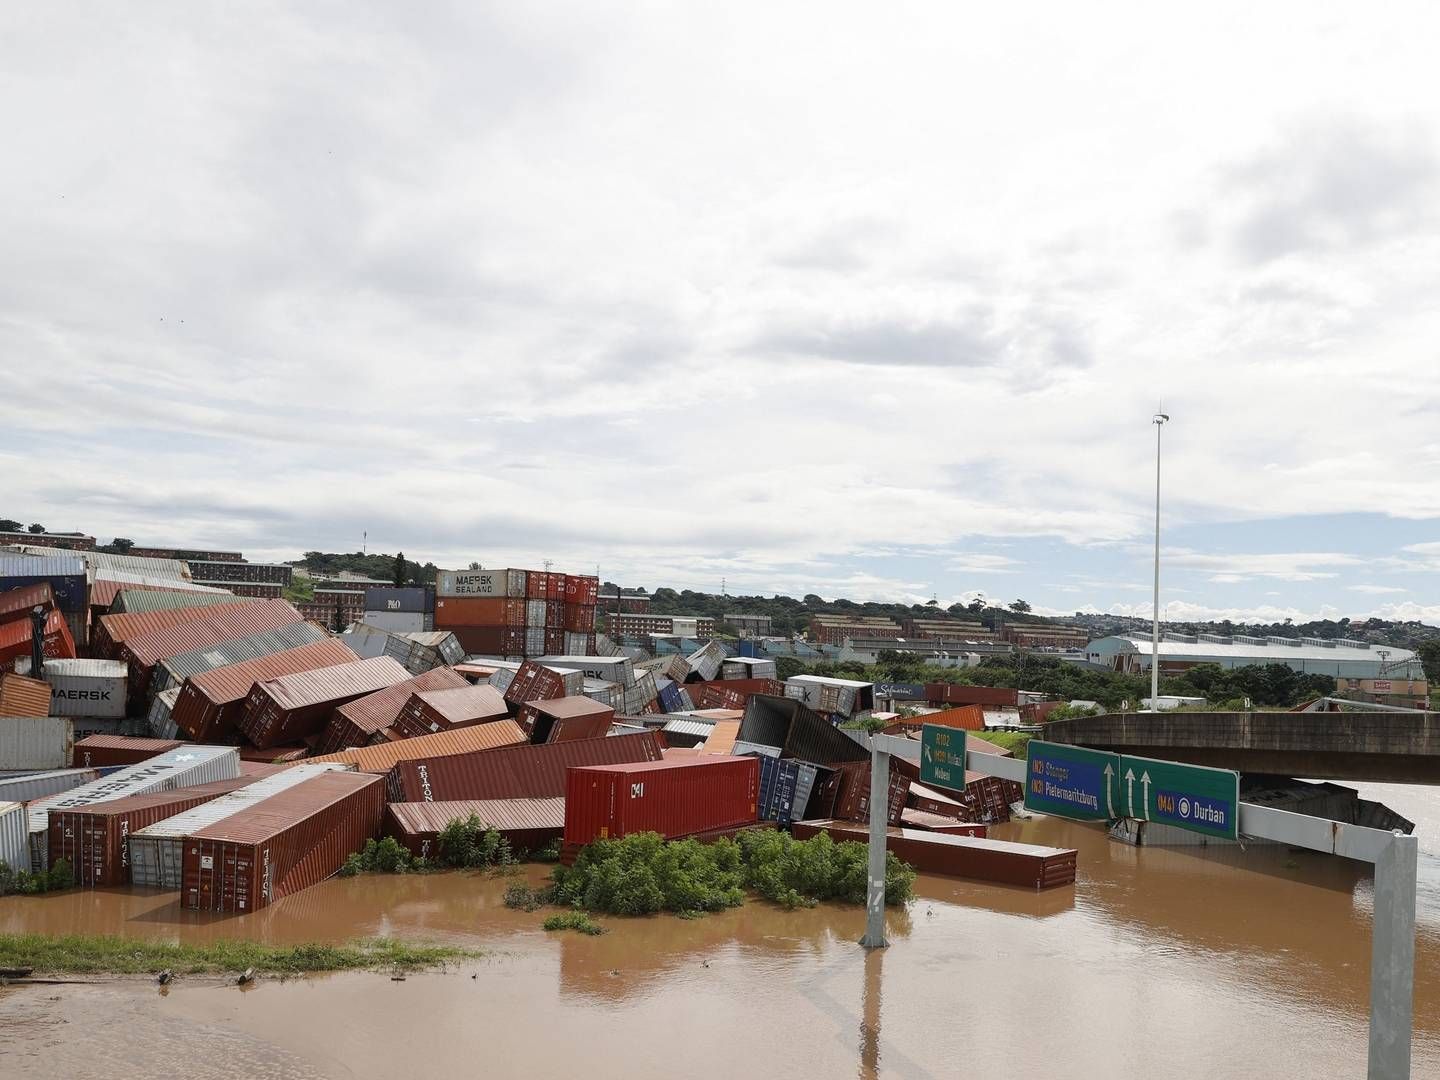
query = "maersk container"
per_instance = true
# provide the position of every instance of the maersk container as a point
(615, 669)
(65, 573)
(14, 836)
(35, 742)
(30, 786)
(675, 798)
(480, 583)
(86, 687)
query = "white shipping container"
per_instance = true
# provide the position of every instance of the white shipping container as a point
(86, 687)
(707, 661)
(480, 583)
(684, 627)
(14, 836)
(185, 766)
(576, 644)
(607, 693)
(534, 640)
(35, 742)
(502, 679)
(162, 726)
(396, 622)
(616, 669)
(535, 613)
(366, 642)
(156, 850)
(37, 785)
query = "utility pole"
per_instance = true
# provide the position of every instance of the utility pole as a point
(1159, 420)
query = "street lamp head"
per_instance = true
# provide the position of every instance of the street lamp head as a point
(1160, 418)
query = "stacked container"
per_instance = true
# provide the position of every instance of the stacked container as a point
(429, 711)
(358, 722)
(516, 613)
(69, 586)
(294, 707)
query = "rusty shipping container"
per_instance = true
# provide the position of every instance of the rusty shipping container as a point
(286, 843)
(57, 644)
(978, 859)
(515, 772)
(18, 603)
(174, 671)
(274, 755)
(537, 585)
(96, 839)
(209, 704)
(102, 751)
(429, 711)
(21, 695)
(852, 801)
(496, 611)
(565, 718)
(297, 706)
(536, 682)
(581, 589)
(357, 722)
(799, 731)
(112, 631)
(674, 798)
(382, 757)
(528, 824)
(215, 626)
(952, 694)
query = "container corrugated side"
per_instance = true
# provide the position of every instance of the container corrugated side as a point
(32, 786)
(65, 573)
(160, 718)
(384, 756)
(157, 851)
(294, 707)
(429, 711)
(14, 836)
(106, 751)
(674, 798)
(225, 622)
(177, 669)
(132, 600)
(286, 843)
(527, 824)
(18, 603)
(480, 583)
(58, 642)
(86, 687)
(35, 742)
(357, 722)
(112, 631)
(21, 695)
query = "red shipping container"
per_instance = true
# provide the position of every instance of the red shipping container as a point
(210, 703)
(58, 643)
(95, 839)
(213, 625)
(293, 839)
(17, 603)
(555, 641)
(359, 721)
(555, 614)
(965, 717)
(484, 640)
(534, 683)
(675, 798)
(275, 755)
(950, 694)
(112, 631)
(582, 590)
(297, 706)
(381, 757)
(537, 585)
(21, 695)
(555, 588)
(96, 751)
(853, 799)
(454, 611)
(529, 824)
(565, 718)
(512, 772)
(580, 618)
(429, 711)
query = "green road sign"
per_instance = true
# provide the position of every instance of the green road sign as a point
(1072, 782)
(942, 757)
(1190, 797)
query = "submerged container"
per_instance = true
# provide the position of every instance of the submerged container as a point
(675, 798)
(357, 722)
(104, 751)
(528, 824)
(86, 687)
(382, 756)
(15, 836)
(297, 706)
(277, 847)
(157, 850)
(35, 742)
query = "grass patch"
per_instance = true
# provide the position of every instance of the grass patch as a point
(1014, 741)
(92, 955)
(574, 920)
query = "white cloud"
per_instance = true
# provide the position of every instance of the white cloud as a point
(1284, 566)
(1376, 589)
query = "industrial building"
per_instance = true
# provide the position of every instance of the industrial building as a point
(949, 629)
(835, 629)
(749, 625)
(958, 653)
(622, 603)
(1044, 636)
(685, 626)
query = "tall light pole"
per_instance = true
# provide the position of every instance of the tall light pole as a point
(1159, 420)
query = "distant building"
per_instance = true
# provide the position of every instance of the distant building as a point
(752, 625)
(949, 629)
(1043, 636)
(940, 653)
(685, 626)
(622, 604)
(68, 541)
(832, 629)
(186, 554)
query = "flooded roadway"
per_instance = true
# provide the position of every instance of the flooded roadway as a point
(1167, 963)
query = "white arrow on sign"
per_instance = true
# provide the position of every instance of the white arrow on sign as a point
(1109, 795)
(1130, 789)
(1145, 782)
(927, 754)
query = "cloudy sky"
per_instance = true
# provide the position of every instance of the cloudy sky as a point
(858, 300)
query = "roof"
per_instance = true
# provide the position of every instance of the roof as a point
(1270, 649)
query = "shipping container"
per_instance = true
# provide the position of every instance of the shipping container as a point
(157, 850)
(731, 693)
(939, 823)
(86, 687)
(275, 755)
(65, 574)
(15, 836)
(797, 730)
(103, 751)
(216, 625)
(382, 757)
(534, 640)
(705, 662)
(515, 772)
(396, 622)
(490, 640)
(96, 839)
(133, 600)
(35, 742)
(58, 643)
(173, 672)
(953, 694)
(977, 859)
(107, 586)
(852, 802)
(534, 613)
(747, 667)
(616, 669)
(460, 583)
(479, 611)
(112, 631)
(582, 589)
(18, 603)
(182, 767)
(147, 565)
(437, 646)
(537, 584)
(227, 570)
(785, 788)
(673, 667)
(673, 798)
(534, 681)
(577, 644)
(21, 695)
(409, 599)
(555, 587)
(829, 695)
(358, 721)
(559, 719)
(288, 842)
(210, 704)
(161, 717)
(722, 737)
(579, 618)
(297, 706)
(429, 711)
(27, 787)
(528, 825)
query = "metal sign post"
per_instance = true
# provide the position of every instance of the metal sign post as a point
(879, 824)
(1392, 960)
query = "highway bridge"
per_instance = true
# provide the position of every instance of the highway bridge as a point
(1389, 747)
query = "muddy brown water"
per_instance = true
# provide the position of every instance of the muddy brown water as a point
(1162, 962)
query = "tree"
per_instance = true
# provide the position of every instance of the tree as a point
(1020, 607)
(10, 525)
(932, 603)
(338, 622)
(976, 606)
(474, 566)
(400, 568)
(1429, 653)
(37, 528)
(121, 544)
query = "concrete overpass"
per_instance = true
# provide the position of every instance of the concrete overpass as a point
(1401, 748)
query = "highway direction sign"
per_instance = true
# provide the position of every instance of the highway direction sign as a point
(1072, 782)
(1190, 797)
(942, 757)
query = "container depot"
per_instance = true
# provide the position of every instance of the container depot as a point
(429, 711)
(674, 798)
(527, 824)
(174, 671)
(357, 722)
(515, 772)
(294, 707)
(382, 757)
(15, 836)
(36, 785)
(280, 845)
(96, 839)
(181, 767)
(565, 718)
(106, 751)
(969, 857)
(57, 644)
(157, 850)
(209, 704)
(86, 687)
(35, 742)
(21, 695)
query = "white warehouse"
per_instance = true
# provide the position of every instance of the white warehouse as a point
(1338, 658)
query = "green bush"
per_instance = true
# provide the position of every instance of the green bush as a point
(470, 843)
(23, 882)
(524, 898)
(382, 857)
(642, 874)
(574, 920)
(799, 873)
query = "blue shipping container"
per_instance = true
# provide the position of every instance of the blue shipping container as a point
(413, 600)
(65, 573)
(670, 699)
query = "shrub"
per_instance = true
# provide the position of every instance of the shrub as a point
(59, 876)
(469, 842)
(382, 857)
(642, 874)
(574, 920)
(524, 898)
(799, 873)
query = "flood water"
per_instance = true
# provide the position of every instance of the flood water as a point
(1161, 962)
